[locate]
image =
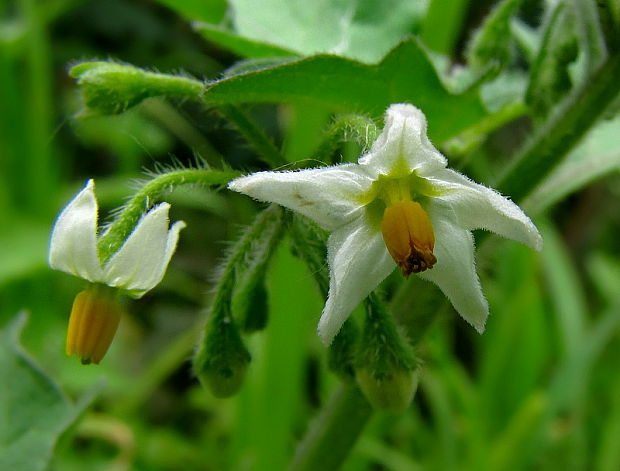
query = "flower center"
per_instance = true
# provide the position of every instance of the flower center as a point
(407, 230)
(94, 319)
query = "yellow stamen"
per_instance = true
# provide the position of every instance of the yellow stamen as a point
(408, 236)
(94, 319)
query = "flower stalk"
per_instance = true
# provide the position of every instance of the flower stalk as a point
(150, 192)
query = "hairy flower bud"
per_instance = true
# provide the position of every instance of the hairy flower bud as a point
(392, 390)
(110, 88)
(222, 359)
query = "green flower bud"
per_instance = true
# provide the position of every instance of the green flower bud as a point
(253, 312)
(221, 360)
(249, 294)
(388, 391)
(386, 368)
(111, 88)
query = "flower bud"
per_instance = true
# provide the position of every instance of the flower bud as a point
(386, 365)
(393, 390)
(252, 311)
(94, 319)
(110, 88)
(221, 360)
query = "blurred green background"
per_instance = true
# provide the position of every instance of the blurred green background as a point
(539, 390)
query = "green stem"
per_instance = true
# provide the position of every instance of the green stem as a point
(144, 199)
(562, 131)
(334, 432)
(264, 221)
(254, 135)
(177, 124)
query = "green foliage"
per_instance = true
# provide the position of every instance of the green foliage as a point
(594, 158)
(540, 388)
(212, 11)
(550, 79)
(490, 50)
(442, 23)
(342, 85)
(35, 413)
(364, 30)
(240, 45)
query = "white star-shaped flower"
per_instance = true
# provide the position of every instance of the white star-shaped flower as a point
(398, 205)
(138, 266)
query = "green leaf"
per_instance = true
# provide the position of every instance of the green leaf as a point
(565, 290)
(491, 46)
(238, 44)
(212, 11)
(604, 271)
(589, 26)
(527, 39)
(443, 23)
(608, 456)
(596, 156)
(342, 85)
(358, 29)
(34, 411)
(510, 448)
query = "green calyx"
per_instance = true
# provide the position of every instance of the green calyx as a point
(386, 367)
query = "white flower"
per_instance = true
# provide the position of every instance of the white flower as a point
(399, 195)
(140, 263)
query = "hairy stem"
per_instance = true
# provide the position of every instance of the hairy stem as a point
(254, 135)
(562, 131)
(150, 193)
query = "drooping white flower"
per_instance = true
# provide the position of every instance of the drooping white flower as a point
(398, 205)
(140, 263)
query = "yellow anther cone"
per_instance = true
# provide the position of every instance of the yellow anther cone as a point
(408, 235)
(94, 319)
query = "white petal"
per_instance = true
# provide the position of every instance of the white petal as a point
(330, 196)
(73, 245)
(455, 271)
(479, 207)
(358, 262)
(142, 260)
(403, 146)
(171, 245)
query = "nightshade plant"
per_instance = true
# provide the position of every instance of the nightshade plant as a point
(398, 199)
(365, 128)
